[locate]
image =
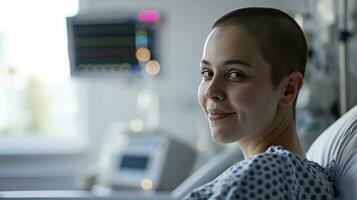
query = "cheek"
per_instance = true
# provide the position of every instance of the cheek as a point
(254, 109)
(254, 101)
(201, 94)
(244, 97)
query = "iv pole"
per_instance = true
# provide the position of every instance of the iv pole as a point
(343, 56)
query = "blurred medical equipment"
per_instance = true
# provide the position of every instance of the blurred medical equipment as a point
(326, 95)
(147, 160)
(109, 43)
(329, 26)
(344, 35)
(314, 108)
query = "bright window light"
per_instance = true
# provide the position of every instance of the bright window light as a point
(37, 96)
(35, 37)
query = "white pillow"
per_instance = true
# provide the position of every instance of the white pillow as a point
(339, 143)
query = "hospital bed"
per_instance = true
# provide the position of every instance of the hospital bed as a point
(338, 142)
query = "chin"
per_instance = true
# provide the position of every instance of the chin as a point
(224, 137)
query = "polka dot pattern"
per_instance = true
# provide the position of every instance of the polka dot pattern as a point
(275, 174)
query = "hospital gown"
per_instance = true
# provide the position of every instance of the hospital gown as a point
(275, 174)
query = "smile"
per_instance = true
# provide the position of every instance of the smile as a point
(219, 116)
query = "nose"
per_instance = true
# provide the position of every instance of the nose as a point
(215, 91)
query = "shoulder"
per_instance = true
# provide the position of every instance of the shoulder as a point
(274, 160)
(260, 176)
(275, 164)
(274, 174)
(271, 174)
(278, 164)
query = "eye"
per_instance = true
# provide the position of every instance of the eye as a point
(236, 76)
(207, 74)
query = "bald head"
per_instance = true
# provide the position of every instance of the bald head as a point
(280, 38)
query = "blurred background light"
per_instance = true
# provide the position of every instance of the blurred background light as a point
(143, 54)
(149, 16)
(152, 67)
(136, 125)
(141, 39)
(146, 184)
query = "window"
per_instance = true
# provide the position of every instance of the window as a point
(38, 100)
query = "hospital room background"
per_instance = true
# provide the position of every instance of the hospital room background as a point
(125, 117)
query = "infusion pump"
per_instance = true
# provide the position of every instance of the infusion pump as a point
(145, 161)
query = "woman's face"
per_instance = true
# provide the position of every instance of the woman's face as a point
(236, 91)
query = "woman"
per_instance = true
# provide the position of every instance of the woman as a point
(252, 66)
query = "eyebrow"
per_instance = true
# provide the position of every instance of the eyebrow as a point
(229, 62)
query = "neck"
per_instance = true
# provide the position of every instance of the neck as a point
(281, 132)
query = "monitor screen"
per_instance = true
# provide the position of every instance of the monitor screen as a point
(104, 44)
(136, 162)
(101, 43)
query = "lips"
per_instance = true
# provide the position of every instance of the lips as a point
(215, 115)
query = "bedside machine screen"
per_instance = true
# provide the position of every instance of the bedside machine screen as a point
(132, 162)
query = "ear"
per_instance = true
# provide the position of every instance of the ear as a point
(290, 88)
